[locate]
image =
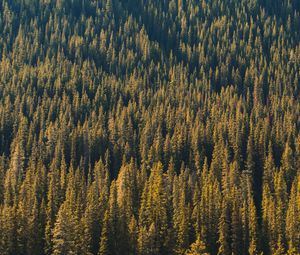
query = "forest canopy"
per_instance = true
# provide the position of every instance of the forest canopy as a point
(149, 127)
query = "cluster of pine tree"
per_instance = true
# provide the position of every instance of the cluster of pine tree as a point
(149, 127)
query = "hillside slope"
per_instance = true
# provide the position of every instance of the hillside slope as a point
(149, 127)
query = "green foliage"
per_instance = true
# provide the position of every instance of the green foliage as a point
(149, 127)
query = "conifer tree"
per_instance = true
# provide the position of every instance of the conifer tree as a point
(293, 218)
(288, 165)
(14, 175)
(64, 232)
(153, 214)
(149, 127)
(197, 248)
(224, 230)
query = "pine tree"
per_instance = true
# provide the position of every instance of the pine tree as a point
(224, 230)
(181, 223)
(253, 228)
(268, 218)
(288, 165)
(281, 199)
(14, 175)
(269, 167)
(51, 209)
(8, 234)
(250, 163)
(153, 214)
(280, 250)
(197, 248)
(293, 218)
(103, 247)
(67, 232)
(64, 239)
(236, 224)
(92, 220)
(133, 235)
(2, 176)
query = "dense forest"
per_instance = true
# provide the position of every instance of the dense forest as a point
(147, 127)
